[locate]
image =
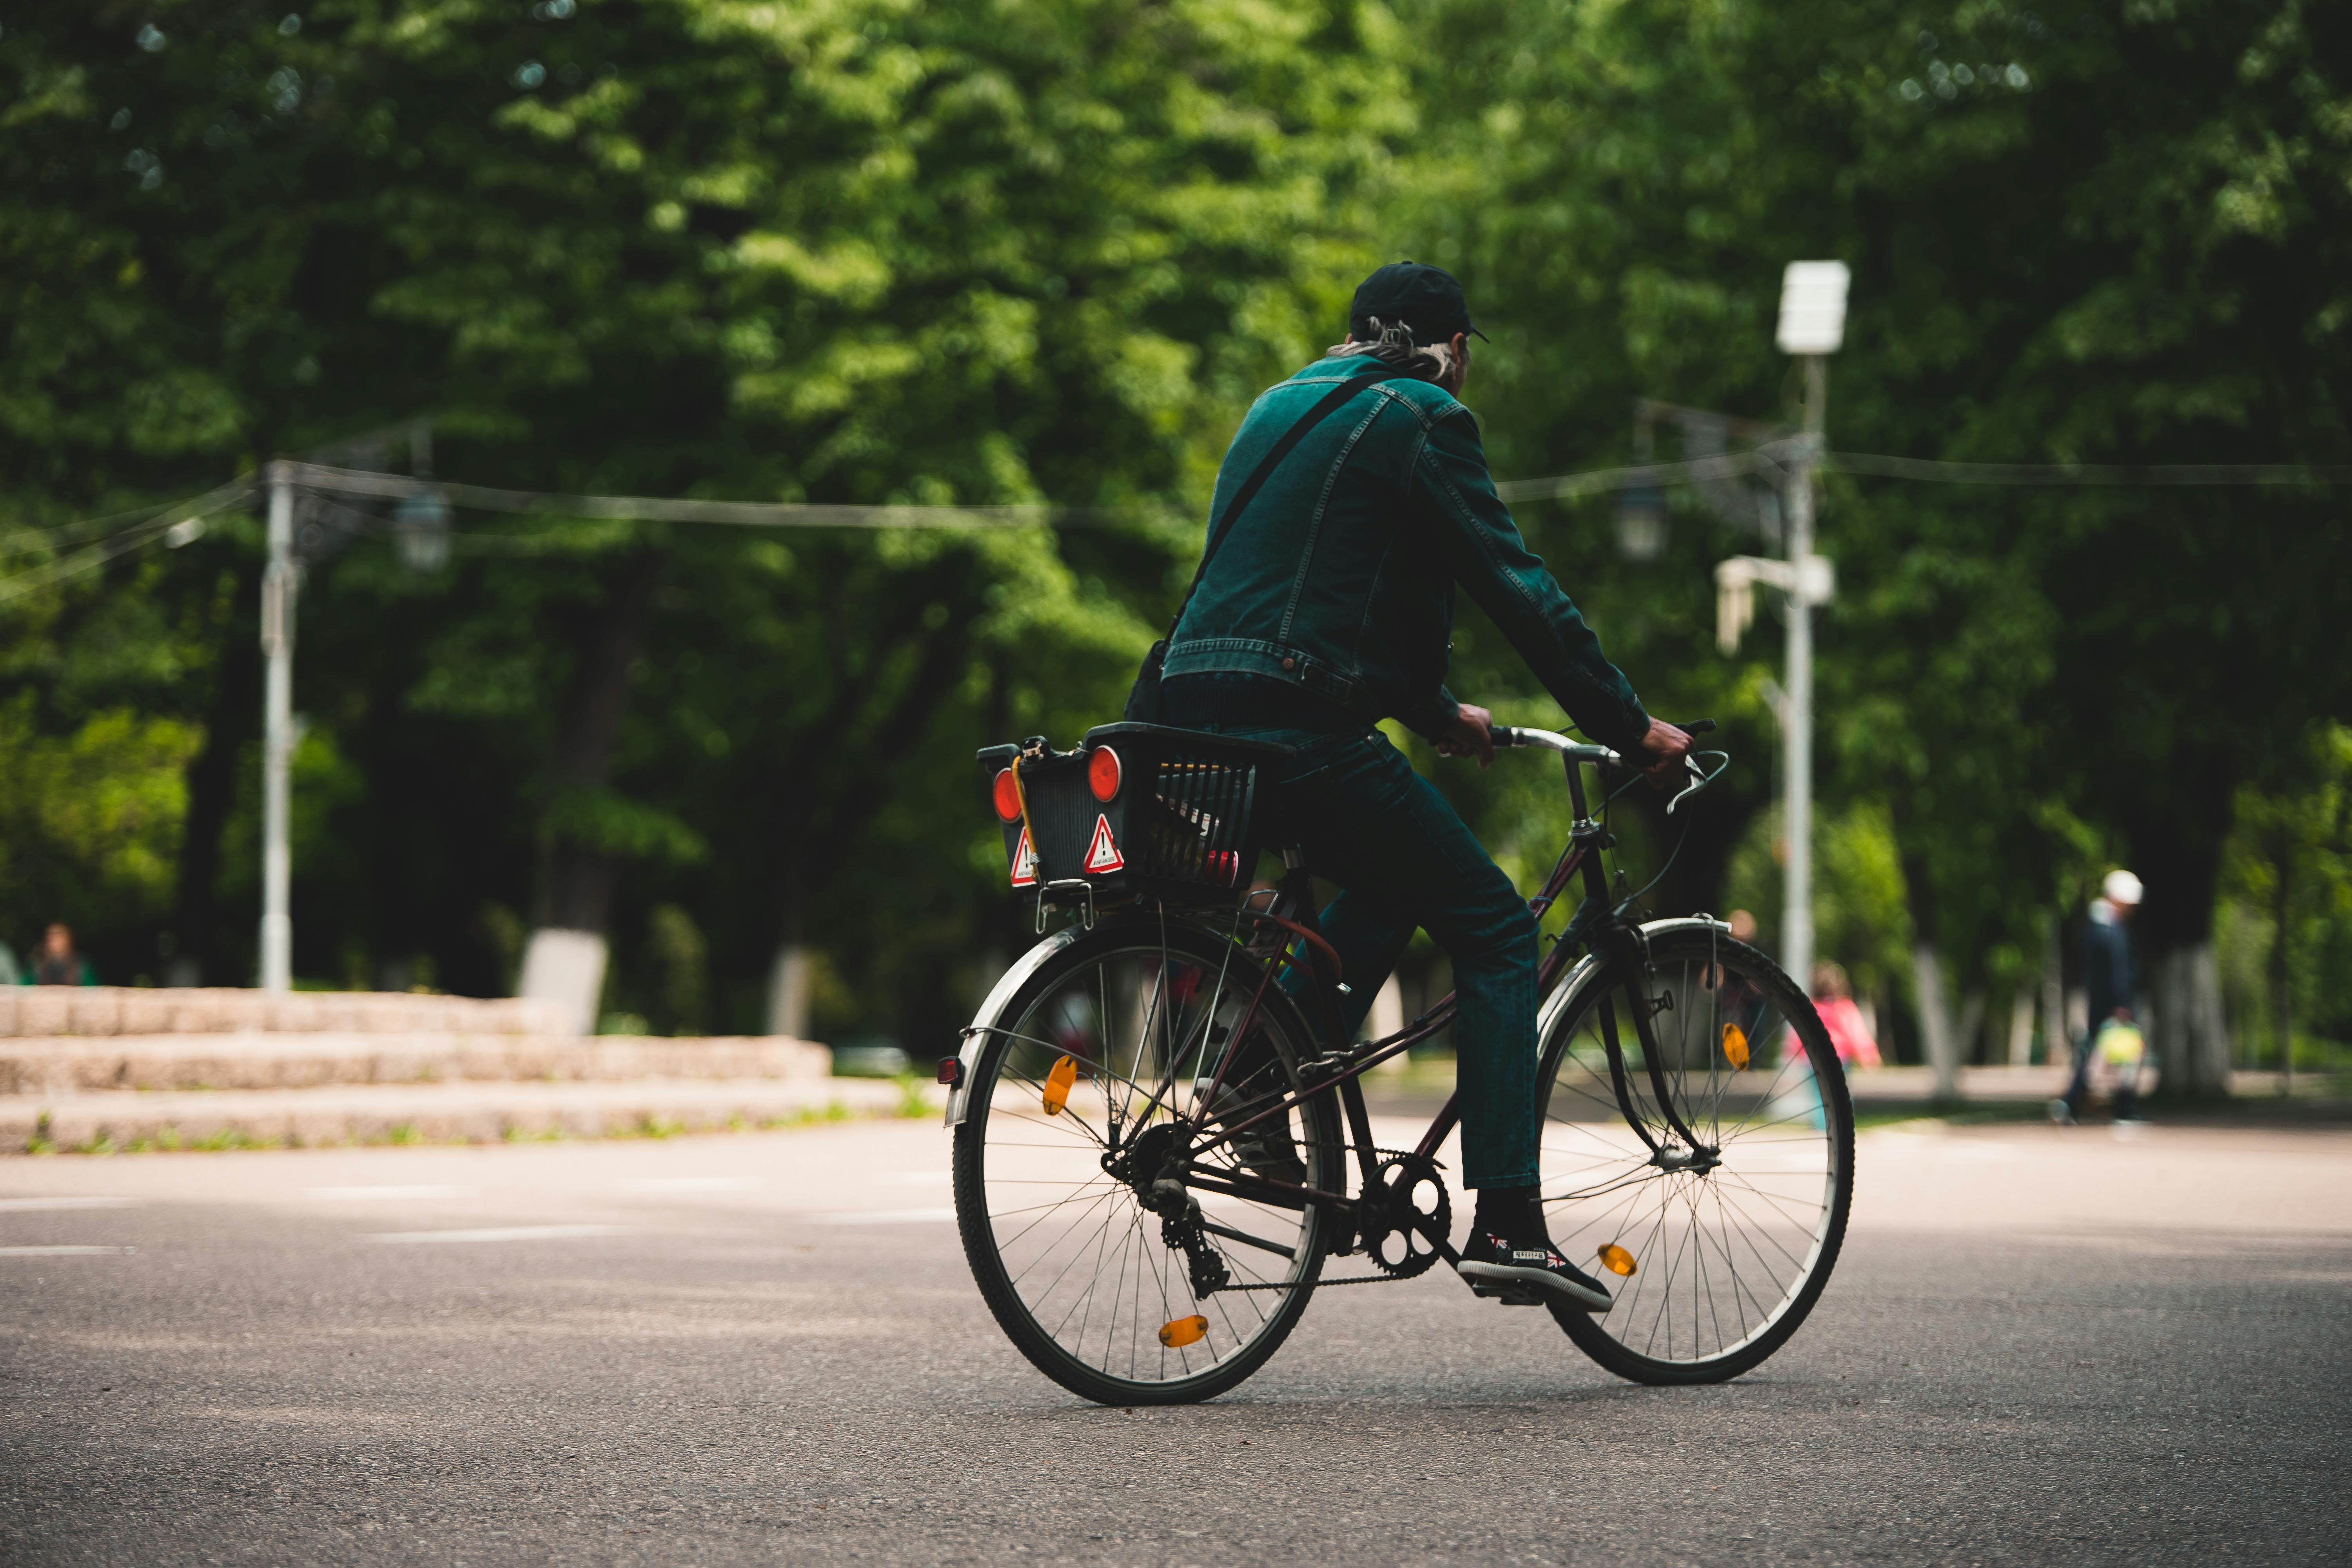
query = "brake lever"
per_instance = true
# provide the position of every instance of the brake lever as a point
(1699, 777)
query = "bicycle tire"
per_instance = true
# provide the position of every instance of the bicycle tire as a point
(1247, 1328)
(1698, 1326)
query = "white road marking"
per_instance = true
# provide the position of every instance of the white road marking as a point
(382, 1195)
(27, 1205)
(885, 1216)
(502, 1233)
(64, 1251)
(690, 1185)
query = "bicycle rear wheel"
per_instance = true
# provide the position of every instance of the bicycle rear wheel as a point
(1093, 1080)
(1725, 1193)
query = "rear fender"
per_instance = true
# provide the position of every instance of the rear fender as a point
(1000, 997)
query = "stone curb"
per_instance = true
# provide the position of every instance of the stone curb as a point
(36, 1011)
(398, 1113)
(62, 1065)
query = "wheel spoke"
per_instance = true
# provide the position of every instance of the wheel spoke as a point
(1084, 1277)
(1732, 1236)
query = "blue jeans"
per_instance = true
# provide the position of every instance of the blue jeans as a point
(1368, 821)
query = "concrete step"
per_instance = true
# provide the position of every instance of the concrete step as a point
(67, 1064)
(130, 1120)
(83, 1010)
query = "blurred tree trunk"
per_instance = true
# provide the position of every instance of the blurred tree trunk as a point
(1941, 1037)
(1968, 1033)
(572, 884)
(233, 720)
(2020, 1026)
(2282, 995)
(788, 973)
(2176, 838)
(1935, 1027)
(834, 784)
(2057, 1040)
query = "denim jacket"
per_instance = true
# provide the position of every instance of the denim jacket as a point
(1340, 575)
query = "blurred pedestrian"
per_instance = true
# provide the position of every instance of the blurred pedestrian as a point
(59, 964)
(2110, 983)
(9, 973)
(1848, 1031)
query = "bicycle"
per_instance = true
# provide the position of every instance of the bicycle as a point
(1159, 1141)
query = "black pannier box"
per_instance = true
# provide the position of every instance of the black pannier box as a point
(1136, 810)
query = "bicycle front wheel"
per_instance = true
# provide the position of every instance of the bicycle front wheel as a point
(1097, 1076)
(1707, 1185)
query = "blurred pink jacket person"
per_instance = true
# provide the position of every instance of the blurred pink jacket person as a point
(1851, 1037)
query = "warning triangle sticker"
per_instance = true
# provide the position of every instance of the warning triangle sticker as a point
(1103, 855)
(1024, 863)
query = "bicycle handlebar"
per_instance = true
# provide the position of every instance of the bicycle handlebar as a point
(1545, 740)
(1515, 735)
(1577, 751)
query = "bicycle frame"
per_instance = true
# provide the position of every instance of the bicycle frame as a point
(1342, 1067)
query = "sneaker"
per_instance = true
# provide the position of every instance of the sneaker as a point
(2062, 1113)
(1527, 1274)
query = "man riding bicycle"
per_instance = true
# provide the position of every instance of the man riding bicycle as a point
(1325, 604)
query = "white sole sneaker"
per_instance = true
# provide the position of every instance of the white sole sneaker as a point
(1527, 1286)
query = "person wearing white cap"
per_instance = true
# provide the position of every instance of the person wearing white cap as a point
(2110, 979)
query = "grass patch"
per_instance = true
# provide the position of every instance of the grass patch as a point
(912, 1102)
(170, 1139)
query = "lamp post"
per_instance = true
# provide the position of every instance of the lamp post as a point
(280, 580)
(1813, 327)
(420, 525)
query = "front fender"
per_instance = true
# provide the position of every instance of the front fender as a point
(999, 996)
(1564, 994)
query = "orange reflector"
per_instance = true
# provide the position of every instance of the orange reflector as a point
(1184, 1332)
(1008, 796)
(1735, 1045)
(1616, 1259)
(1057, 1085)
(1102, 774)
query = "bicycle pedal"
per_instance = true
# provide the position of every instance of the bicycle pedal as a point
(1507, 1298)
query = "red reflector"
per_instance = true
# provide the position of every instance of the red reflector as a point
(1102, 774)
(1008, 796)
(950, 1070)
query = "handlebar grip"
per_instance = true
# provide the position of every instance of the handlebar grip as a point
(1695, 726)
(1504, 735)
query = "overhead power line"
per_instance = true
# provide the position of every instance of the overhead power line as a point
(741, 514)
(145, 526)
(2120, 474)
(158, 524)
(1764, 460)
(1596, 481)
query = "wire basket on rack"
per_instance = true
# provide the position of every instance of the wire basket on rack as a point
(1136, 810)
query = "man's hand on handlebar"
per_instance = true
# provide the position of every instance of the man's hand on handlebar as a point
(1468, 736)
(1662, 754)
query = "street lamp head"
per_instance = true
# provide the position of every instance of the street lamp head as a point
(1642, 522)
(420, 526)
(1813, 307)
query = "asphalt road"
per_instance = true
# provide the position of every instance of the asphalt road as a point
(2041, 1347)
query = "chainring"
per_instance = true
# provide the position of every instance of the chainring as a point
(1412, 1201)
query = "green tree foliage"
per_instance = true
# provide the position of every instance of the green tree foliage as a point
(2078, 234)
(2287, 910)
(988, 252)
(859, 251)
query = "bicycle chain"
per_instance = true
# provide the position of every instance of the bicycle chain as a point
(1385, 1279)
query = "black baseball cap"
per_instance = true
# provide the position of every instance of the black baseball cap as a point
(1426, 299)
